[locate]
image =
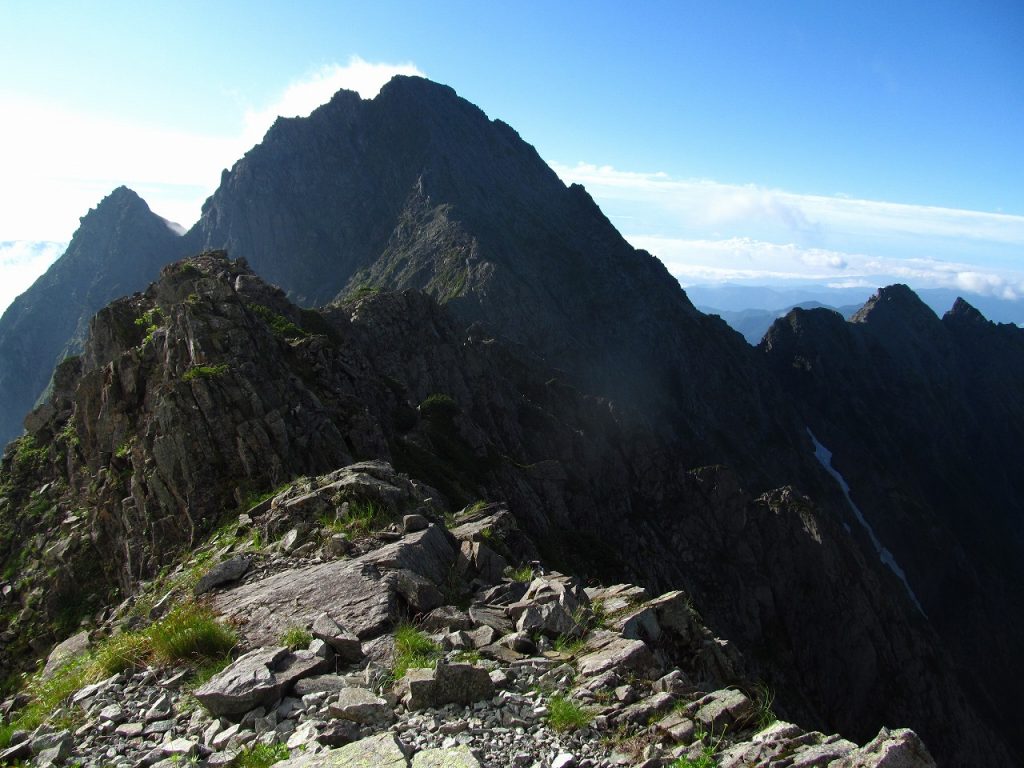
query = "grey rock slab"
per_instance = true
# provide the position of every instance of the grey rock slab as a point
(413, 523)
(495, 618)
(360, 594)
(446, 617)
(677, 727)
(619, 653)
(456, 757)
(381, 751)
(355, 593)
(319, 683)
(361, 706)
(900, 748)
(130, 730)
(446, 684)
(298, 665)
(19, 751)
(223, 573)
(724, 708)
(428, 553)
(821, 755)
(551, 619)
(643, 711)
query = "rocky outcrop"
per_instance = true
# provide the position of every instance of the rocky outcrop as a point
(597, 696)
(118, 248)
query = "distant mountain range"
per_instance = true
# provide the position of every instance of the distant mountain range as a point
(751, 309)
(841, 500)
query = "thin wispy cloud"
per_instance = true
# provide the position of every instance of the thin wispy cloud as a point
(707, 231)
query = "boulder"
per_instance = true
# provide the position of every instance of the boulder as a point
(446, 684)
(723, 708)
(619, 654)
(381, 751)
(364, 594)
(258, 678)
(64, 652)
(414, 523)
(223, 573)
(361, 706)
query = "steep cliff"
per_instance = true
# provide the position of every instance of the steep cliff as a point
(923, 419)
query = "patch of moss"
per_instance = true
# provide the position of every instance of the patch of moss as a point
(279, 324)
(205, 372)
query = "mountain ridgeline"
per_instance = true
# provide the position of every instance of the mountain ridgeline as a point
(487, 331)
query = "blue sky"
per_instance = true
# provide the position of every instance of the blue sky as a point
(843, 143)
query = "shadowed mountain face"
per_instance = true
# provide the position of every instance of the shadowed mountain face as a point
(587, 392)
(119, 248)
(924, 418)
(419, 189)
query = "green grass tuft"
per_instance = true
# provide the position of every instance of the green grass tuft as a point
(190, 633)
(295, 638)
(566, 715)
(260, 756)
(523, 574)
(413, 649)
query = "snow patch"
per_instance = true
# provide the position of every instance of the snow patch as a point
(824, 457)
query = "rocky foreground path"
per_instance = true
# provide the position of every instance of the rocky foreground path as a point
(430, 645)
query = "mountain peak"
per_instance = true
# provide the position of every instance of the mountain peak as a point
(962, 312)
(895, 304)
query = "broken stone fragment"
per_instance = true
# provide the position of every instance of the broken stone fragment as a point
(345, 644)
(618, 653)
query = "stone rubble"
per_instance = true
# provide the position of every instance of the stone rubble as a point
(645, 672)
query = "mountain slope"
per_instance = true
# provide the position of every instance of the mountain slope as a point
(118, 248)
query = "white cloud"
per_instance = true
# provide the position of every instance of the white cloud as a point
(303, 96)
(747, 260)
(21, 262)
(709, 231)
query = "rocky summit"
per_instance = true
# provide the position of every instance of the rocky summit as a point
(504, 498)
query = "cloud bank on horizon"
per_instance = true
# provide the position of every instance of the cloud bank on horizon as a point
(704, 231)
(707, 232)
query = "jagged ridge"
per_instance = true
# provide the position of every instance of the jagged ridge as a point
(163, 425)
